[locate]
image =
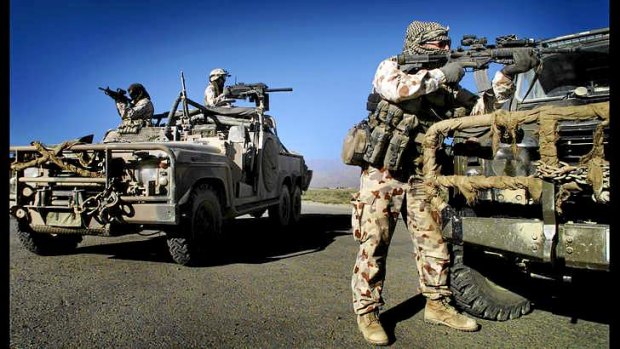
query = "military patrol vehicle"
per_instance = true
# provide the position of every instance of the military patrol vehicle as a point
(183, 176)
(527, 187)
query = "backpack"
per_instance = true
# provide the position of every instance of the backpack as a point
(355, 144)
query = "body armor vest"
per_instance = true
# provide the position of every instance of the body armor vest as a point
(397, 130)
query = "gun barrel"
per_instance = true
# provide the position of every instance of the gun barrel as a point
(281, 89)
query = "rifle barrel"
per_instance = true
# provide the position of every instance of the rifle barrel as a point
(282, 89)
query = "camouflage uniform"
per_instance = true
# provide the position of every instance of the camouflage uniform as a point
(141, 111)
(212, 95)
(135, 113)
(379, 202)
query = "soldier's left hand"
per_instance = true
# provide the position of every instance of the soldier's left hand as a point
(453, 72)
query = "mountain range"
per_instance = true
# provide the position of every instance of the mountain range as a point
(332, 173)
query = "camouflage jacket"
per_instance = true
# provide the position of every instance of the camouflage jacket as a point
(397, 87)
(142, 110)
(425, 95)
(213, 98)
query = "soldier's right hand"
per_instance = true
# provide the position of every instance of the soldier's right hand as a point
(453, 72)
(524, 60)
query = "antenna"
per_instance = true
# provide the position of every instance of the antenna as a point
(184, 96)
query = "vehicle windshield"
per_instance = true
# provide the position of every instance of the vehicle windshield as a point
(562, 73)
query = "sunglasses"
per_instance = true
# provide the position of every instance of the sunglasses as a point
(439, 43)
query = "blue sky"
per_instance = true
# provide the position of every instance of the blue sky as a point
(327, 51)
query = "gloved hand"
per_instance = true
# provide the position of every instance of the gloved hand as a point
(524, 61)
(453, 72)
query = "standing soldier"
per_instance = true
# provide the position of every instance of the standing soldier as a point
(214, 92)
(409, 104)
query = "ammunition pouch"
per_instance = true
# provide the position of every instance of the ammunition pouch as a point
(379, 140)
(355, 144)
(389, 135)
(382, 140)
(129, 126)
(373, 100)
(399, 142)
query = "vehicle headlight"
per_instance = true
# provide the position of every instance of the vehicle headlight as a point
(472, 172)
(31, 172)
(12, 185)
(147, 174)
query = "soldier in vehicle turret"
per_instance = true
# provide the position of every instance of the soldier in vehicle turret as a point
(214, 93)
(135, 111)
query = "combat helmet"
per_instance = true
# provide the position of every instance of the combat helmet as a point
(418, 33)
(216, 73)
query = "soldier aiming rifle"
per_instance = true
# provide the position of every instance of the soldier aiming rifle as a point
(479, 56)
(118, 95)
(135, 111)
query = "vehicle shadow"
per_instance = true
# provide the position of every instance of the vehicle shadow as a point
(575, 299)
(246, 240)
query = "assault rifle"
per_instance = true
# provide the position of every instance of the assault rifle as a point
(478, 56)
(119, 95)
(257, 93)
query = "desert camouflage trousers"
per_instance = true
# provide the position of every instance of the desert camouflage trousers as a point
(376, 208)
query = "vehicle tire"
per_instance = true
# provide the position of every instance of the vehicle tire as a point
(188, 243)
(295, 205)
(46, 244)
(280, 214)
(477, 295)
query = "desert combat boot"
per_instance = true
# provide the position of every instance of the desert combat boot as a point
(371, 328)
(439, 311)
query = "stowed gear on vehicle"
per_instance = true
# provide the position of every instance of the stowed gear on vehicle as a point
(527, 187)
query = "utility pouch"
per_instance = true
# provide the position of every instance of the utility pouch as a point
(355, 143)
(399, 142)
(373, 100)
(375, 153)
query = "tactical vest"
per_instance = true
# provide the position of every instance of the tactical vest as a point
(392, 135)
(396, 128)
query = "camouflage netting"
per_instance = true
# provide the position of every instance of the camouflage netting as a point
(54, 155)
(592, 170)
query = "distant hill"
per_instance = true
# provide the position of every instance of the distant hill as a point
(332, 173)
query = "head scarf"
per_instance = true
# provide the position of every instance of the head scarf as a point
(419, 33)
(137, 92)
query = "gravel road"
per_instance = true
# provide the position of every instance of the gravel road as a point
(271, 290)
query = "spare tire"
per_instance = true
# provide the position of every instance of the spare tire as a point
(479, 296)
(475, 293)
(270, 164)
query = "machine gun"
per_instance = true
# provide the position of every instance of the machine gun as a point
(119, 95)
(257, 93)
(478, 56)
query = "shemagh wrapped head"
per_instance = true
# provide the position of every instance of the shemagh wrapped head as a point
(137, 92)
(419, 33)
